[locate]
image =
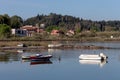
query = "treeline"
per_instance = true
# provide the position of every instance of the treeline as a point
(61, 21)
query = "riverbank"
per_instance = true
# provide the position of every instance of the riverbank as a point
(30, 43)
(60, 47)
(45, 42)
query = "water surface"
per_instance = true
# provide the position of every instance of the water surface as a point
(64, 65)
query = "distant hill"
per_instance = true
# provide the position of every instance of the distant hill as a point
(61, 21)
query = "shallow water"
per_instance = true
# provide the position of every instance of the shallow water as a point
(64, 65)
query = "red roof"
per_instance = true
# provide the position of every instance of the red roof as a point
(54, 32)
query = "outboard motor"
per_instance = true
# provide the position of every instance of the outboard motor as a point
(103, 56)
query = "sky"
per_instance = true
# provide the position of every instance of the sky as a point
(86, 9)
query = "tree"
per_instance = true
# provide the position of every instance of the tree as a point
(50, 28)
(16, 22)
(94, 29)
(77, 28)
(5, 19)
(1, 19)
(5, 31)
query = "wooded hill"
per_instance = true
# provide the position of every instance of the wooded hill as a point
(61, 21)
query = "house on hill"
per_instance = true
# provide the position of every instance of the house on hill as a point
(55, 32)
(70, 33)
(19, 32)
(27, 30)
(31, 30)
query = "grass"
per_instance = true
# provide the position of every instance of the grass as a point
(27, 43)
(82, 37)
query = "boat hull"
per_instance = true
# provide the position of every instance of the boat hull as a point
(92, 57)
(40, 57)
(46, 57)
(25, 57)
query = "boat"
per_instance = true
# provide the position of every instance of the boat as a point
(25, 57)
(29, 56)
(54, 45)
(100, 56)
(42, 57)
(20, 45)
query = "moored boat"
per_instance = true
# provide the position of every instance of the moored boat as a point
(37, 57)
(100, 56)
(25, 57)
(54, 45)
(42, 57)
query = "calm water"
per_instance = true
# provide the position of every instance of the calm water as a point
(65, 65)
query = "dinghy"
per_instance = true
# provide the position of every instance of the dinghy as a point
(100, 56)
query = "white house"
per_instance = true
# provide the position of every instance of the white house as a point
(19, 32)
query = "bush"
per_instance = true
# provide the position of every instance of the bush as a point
(5, 31)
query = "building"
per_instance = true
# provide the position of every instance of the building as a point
(70, 33)
(27, 30)
(19, 32)
(30, 30)
(55, 32)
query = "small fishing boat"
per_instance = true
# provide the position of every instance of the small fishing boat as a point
(100, 56)
(25, 57)
(54, 45)
(37, 57)
(20, 45)
(42, 57)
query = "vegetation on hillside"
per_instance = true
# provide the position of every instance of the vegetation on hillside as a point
(4, 31)
(82, 27)
(62, 21)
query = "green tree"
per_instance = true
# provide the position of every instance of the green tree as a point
(5, 31)
(94, 29)
(16, 22)
(50, 28)
(1, 19)
(77, 28)
(6, 19)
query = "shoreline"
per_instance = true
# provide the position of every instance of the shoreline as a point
(61, 47)
(82, 39)
(43, 44)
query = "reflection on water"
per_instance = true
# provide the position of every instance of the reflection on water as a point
(101, 63)
(9, 57)
(40, 62)
(37, 62)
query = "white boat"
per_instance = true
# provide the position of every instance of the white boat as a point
(20, 45)
(54, 45)
(20, 51)
(100, 56)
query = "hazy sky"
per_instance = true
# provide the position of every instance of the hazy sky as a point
(86, 9)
